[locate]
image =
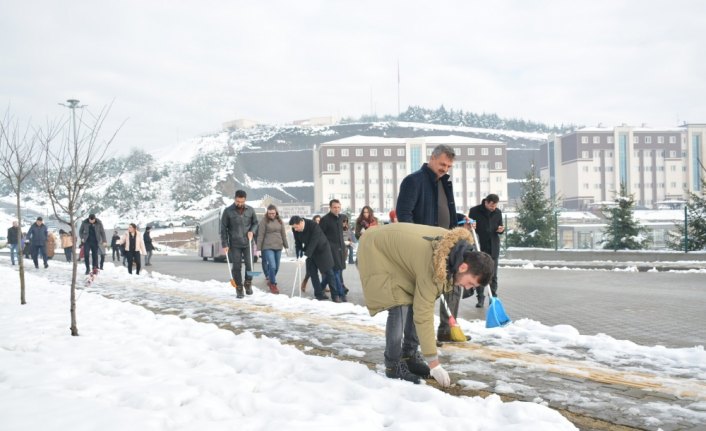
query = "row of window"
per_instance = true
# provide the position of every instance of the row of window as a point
(635, 139)
(637, 186)
(673, 154)
(331, 167)
(387, 152)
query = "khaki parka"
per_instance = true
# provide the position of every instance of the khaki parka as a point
(406, 264)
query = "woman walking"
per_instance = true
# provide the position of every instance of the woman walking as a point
(271, 239)
(134, 248)
(67, 243)
(365, 221)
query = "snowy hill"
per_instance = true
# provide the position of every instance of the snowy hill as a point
(267, 160)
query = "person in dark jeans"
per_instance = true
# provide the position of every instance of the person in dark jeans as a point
(37, 235)
(13, 238)
(489, 227)
(134, 248)
(114, 246)
(92, 235)
(238, 227)
(147, 239)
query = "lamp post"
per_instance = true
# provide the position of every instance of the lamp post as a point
(72, 104)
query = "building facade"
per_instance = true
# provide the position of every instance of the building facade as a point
(586, 167)
(368, 170)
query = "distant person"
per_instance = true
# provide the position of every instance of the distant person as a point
(67, 243)
(332, 226)
(271, 239)
(300, 253)
(114, 246)
(393, 216)
(403, 270)
(149, 247)
(93, 237)
(51, 245)
(311, 239)
(13, 239)
(349, 240)
(489, 226)
(134, 248)
(37, 236)
(238, 225)
(426, 197)
(365, 221)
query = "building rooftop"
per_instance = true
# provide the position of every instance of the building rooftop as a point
(433, 140)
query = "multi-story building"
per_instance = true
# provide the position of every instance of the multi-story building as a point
(695, 154)
(588, 166)
(368, 170)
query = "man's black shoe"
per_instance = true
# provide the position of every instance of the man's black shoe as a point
(322, 298)
(417, 365)
(400, 371)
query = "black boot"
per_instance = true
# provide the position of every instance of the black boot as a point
(400, 371)
(239, 292)
(248, 286)
(417, 365)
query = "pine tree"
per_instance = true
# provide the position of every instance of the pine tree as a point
(623, 231)
(696, 225)
(535, 221)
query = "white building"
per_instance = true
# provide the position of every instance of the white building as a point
(368, 170)
(588, 165)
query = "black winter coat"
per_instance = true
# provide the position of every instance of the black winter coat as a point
(418, 199)
(38, 235)
(147, 239)
(332, 226)
(315, 245)
(13, 235)
(235, 226)
(486, 227)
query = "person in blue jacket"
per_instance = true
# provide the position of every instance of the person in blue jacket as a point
(37, 235)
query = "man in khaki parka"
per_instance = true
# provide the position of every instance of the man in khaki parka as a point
(404, 268)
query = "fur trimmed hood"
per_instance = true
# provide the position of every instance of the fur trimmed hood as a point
(442, 248)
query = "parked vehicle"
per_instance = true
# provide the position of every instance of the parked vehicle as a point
(209, 232)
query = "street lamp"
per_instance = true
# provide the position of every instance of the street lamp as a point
(72, 105)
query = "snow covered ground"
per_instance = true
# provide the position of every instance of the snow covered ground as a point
(133, 369)
(132, 366)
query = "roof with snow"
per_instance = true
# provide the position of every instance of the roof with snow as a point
(434, 140)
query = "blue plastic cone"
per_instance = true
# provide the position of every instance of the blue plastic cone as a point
(496, 316)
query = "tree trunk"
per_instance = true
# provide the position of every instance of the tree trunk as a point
(20, 253)
(74, 270)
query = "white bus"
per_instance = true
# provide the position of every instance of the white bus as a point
(209, 233)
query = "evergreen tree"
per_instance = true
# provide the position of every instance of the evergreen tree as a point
(696, 225)
(535, 215)
(623, 231)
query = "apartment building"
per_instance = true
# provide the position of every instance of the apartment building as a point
(368, 170)
(587, 166)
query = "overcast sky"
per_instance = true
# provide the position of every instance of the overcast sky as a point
(178, 69)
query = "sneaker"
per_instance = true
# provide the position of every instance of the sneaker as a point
(400, 371)
(446, 337)
(417, 365)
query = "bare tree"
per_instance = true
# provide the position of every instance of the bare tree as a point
(20, 153)
(69, 171)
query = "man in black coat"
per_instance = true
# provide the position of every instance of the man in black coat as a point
(93, 238)
(332, 226)
(13, 238)
(309, 237)
(37, 235)
(238, 227)
(489, 226)
(426, 197)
